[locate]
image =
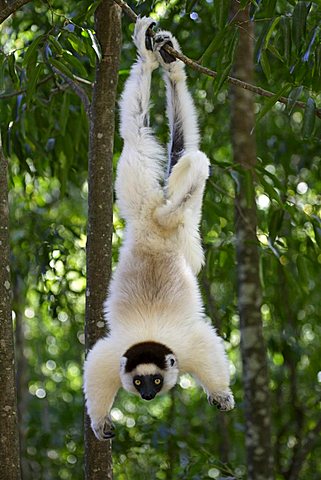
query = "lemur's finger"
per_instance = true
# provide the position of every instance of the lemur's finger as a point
(161, 39)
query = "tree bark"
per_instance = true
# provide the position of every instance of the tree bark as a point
(253, 350)
(8, 7)
(98, 464)
(9, 444)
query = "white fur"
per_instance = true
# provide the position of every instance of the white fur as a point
(154, 294)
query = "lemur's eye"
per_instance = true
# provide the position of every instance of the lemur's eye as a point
(137, 382)
(157, 381)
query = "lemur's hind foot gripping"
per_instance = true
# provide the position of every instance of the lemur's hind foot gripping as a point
(144, 41)
(104, 430)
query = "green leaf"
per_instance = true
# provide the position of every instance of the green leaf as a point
(275, 223)
(76, 43)
(64, 113)
(317, 234)
(299, 22)
(32, 82)
(2, 60)
(55, 44)
(293, 97)
(285, 27)
(271, 102)
(271, 191)
(215, 44)
(265, 65)
(222, 8)
(189, 5)
(12, 69)
(75, 63)
(303, 272)
(60, 66)
(32, 52)
(226, 60)
(308, 118)
(273, 24)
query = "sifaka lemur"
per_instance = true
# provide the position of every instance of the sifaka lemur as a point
(154, 311)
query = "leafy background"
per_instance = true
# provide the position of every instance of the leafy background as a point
(45, 134)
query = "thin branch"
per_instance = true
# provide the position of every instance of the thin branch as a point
(76, 88)
(4, 96)
(211, 73)
(8, 7)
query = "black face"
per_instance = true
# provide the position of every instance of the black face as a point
(148, 385)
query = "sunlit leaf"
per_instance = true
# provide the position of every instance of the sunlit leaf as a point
(95, 44)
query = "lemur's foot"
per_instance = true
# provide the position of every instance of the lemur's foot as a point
(190, 172)
(168, 61)
(144, 42)
(103, 430)
(224, 401)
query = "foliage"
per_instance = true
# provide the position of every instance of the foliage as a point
(45, 135)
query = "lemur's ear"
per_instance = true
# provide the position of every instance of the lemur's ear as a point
(123, 362)
(171, 360)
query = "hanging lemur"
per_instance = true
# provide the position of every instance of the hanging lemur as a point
(154, 309)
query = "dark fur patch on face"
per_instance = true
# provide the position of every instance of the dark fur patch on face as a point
(146, 352)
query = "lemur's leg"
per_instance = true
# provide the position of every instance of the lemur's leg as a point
(101, 383)
(189, 168)
(140, 166)
(210, 366)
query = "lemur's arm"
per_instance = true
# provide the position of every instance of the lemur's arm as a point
(101, 384)
(139, 169)
(210, 365)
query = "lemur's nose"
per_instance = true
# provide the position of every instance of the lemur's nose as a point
(148, 396)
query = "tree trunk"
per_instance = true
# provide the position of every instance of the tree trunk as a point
(253, 350)
(98, 464)
(9, 444)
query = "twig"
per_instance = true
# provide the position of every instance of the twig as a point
(76, 88)
(4, 96)
(211, 73)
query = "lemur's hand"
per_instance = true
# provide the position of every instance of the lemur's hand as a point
(144, 42)
(173, 66)
(224, 401)
(103, 430)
